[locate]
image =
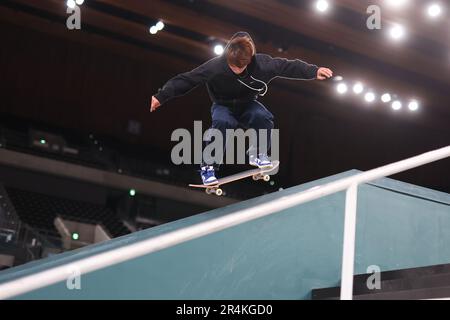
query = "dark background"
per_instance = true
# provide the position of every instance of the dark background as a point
(96, 79)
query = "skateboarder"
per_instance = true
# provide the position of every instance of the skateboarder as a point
(234, 81)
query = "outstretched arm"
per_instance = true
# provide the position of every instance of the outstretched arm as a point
(181, 84)
(297, 69)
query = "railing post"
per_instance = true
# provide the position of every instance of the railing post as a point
(348, 254)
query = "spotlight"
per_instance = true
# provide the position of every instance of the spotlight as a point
(160, 25)
(358, 88)
(75, 236)
(282, 48)
(153, 30)
(218, 49)
(434, 10)
(386, 98)
(397, 32)
(132, 192)
(322, 5)
(342, 88)
(369, 97)
(413, 105)
(79, 2)
(397, 105)
(397, 3)
(71, 4)
(338, 78)
(42, 141)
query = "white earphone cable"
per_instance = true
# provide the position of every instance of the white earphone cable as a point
(265, 89)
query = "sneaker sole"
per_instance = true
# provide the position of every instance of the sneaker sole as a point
(211, 183)
(263, 167)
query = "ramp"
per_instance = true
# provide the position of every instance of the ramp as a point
(281, 256)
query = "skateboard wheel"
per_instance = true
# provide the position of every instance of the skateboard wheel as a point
(219, 192)
(255, 178)
(266, 178)
(209, 191)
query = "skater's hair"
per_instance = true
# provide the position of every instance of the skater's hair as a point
(240, 51)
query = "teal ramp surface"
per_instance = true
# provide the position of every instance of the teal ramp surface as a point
(281, 256)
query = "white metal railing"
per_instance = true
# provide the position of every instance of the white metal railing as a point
(124, 253)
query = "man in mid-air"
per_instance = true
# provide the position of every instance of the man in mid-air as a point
(234, 81)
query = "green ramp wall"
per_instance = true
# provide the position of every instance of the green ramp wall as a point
(282, 256)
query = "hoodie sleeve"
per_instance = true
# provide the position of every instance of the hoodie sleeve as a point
(185, 82)
(295, 69)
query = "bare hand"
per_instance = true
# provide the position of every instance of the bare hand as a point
(324, 73)
(154, 104)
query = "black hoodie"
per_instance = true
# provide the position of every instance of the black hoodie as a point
(227, 88)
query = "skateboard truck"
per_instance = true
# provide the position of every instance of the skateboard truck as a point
(264, 177)
(216, 190)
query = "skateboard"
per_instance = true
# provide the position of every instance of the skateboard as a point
(256, 174)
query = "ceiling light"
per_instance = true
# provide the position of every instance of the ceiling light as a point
(434, 10)
(397, 105)
(386, 98)
(342, 88)
(369, 97)
(358, 88)
(218, 49)
(322, 5)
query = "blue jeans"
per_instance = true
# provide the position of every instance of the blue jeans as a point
(251, 115)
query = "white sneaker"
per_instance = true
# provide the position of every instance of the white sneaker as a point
(262, 161)
(208, 175)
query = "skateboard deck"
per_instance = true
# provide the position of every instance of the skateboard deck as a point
(256, 174)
